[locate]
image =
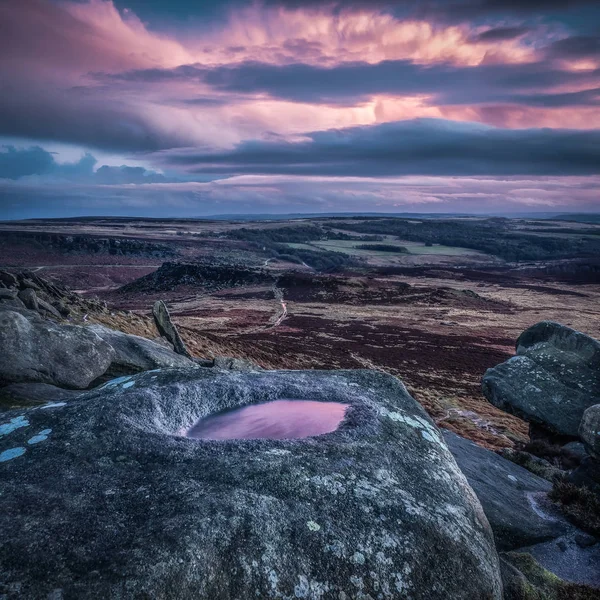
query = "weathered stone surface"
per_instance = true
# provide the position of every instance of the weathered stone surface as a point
(115, 503)
(46, 306)
(589, 430)
(24, 394)
(29, 298)
(165, 327)
(508, 494)
(11, 302)
(33, 350)
(552, 380)
(134, 354)
(7, 294)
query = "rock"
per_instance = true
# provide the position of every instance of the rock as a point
(577, 449)
(589, 430)
(112, 502)
(45, 306)
(29, 298)
(165, 327)
(11, 302)
(553, 379)
(134, 354)
(25, 394)
(8, 279)
(508, 493)
(41, 351)
(28, 284)
(7, 294)
(62, 308)
(569, 560)
(587, 474)
(227, 363)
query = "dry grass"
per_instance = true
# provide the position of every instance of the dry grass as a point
(580, 505)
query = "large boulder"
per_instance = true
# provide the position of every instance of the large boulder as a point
(552, 380)
(105, 497)
(509, 494)
(33, 350)
(134, 354)
(589, 430)
(24, 394)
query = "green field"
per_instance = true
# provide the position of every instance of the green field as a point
(416, 248)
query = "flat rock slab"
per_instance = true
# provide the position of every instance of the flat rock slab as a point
(509, 494)
(104, 497)
(134, 353)
(552, 380)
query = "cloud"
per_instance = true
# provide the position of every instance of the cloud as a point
(502, 33)
(349, 83)
(577, 46)
(422, 146)
(39, 164)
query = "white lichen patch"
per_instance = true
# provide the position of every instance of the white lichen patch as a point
(428, 431)
(313, 526)
(331, 483)
(13, 425)
(278, 452)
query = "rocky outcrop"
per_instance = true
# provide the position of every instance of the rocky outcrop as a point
(133, 354)
(26, 290)
(552, 380)
(508, 494)
(104, 497)
(202, 275)
(167, 328)
(33, 350)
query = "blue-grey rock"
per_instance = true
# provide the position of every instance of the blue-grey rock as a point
(509, 494)
(589, 430)
(105, 497)
(133, 353)
(552, 380)
(38, 351)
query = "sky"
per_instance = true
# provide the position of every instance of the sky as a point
(187, 108)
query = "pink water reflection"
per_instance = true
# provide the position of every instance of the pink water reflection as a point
(276, 420)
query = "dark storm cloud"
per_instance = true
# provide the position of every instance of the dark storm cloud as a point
(578, 46)
(35, 161)
(566, 99)
(422, 146)
(349, 83)
(501, 33)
